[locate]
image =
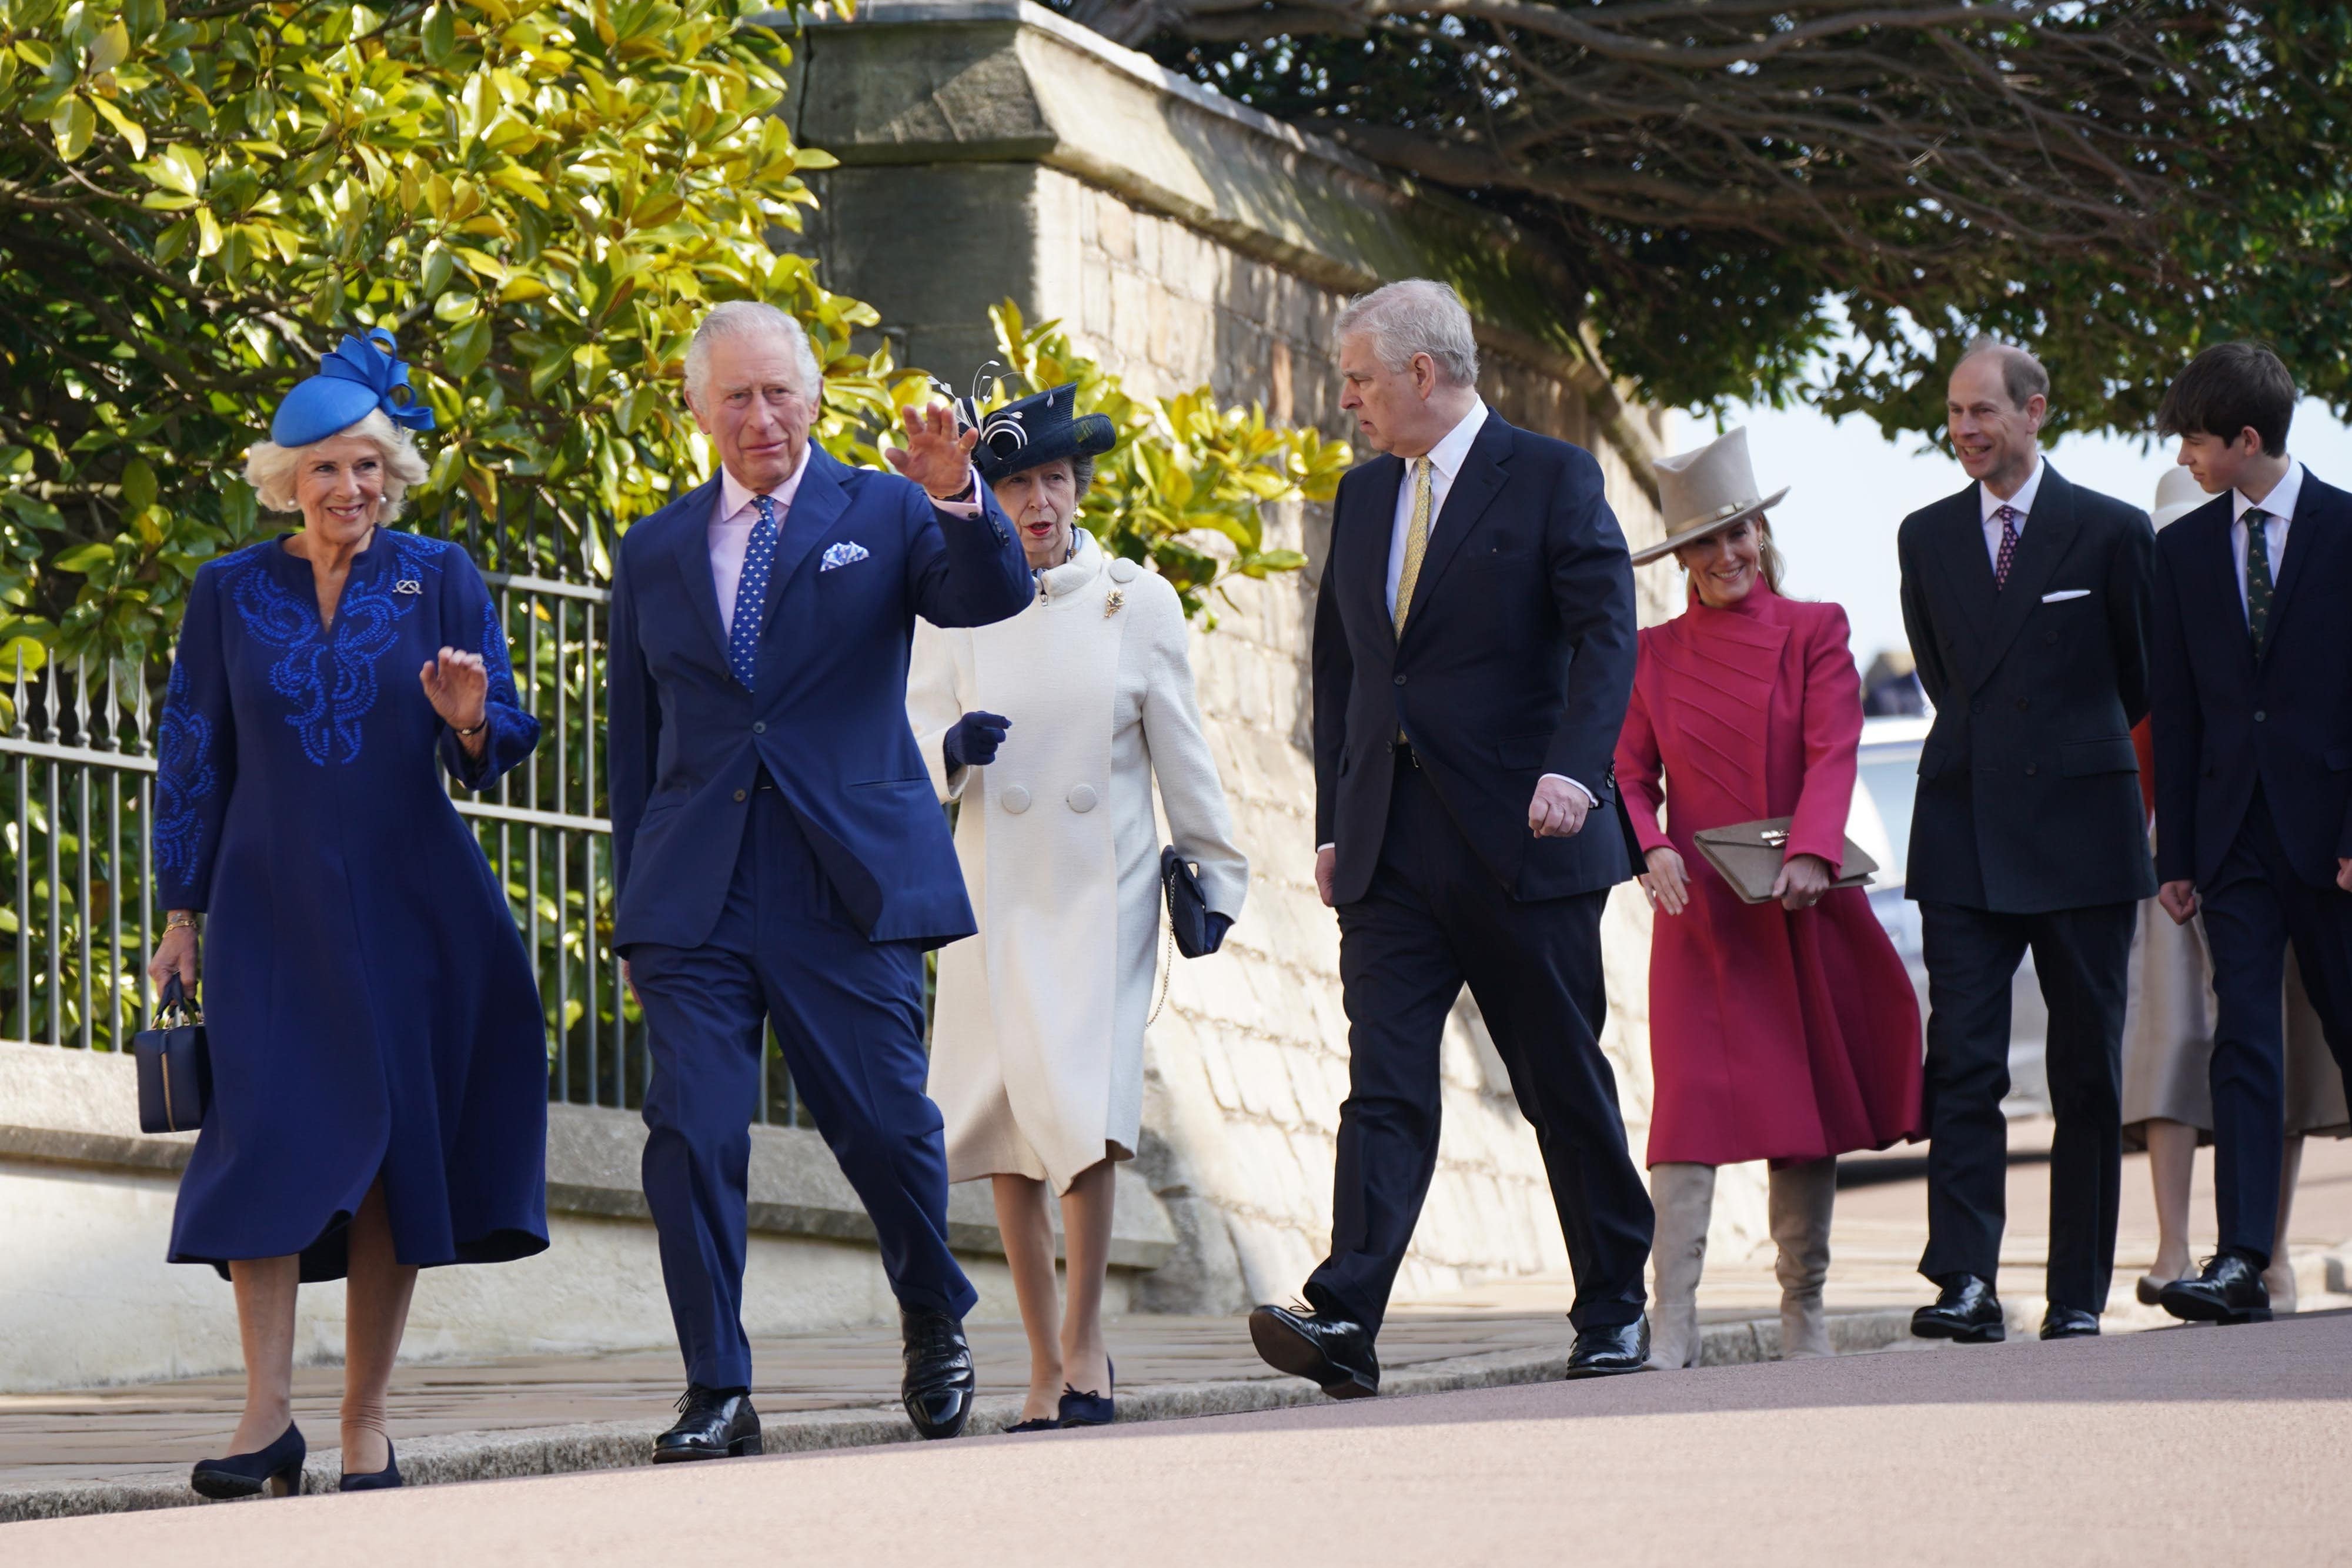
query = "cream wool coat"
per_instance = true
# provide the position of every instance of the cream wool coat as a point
(1037, 1041)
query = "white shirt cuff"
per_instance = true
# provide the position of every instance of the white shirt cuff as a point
(1591, 800)
(962, 508)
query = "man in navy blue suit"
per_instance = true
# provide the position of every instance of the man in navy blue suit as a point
(1474, 656)
(779, 854)
(2252, 687)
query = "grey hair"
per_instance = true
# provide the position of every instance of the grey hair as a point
(272, 469)
(2021, 375)
(1419, 315)
(749, 318)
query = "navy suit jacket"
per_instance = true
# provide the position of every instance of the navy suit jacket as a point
(2226, 720)
(2028, 787)
(1517, 660)
(828, 721)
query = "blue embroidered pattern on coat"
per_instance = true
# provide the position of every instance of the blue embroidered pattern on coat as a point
(495, 660)
(183, 776)
(330, 678)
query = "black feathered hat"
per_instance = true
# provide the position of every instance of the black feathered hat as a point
(1034, 431)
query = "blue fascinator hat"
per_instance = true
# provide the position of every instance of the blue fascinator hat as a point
(362, 375)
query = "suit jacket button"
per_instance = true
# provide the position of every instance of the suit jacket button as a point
(2029, 769)
(1977, 705)
(2020, 704)
(1081, 798)
(742, 794)
(1400, 680)
(2260, 715)
(760, 728)
(1015, 799)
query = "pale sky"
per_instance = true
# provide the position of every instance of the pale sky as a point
(1849, 488)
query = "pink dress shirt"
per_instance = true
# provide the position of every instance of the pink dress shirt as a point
(731, 520)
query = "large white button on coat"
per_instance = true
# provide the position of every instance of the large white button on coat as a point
(1081, 798)
(1015, 799)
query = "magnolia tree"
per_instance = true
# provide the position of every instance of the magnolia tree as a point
(540, 197)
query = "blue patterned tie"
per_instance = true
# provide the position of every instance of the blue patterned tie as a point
(751, 595)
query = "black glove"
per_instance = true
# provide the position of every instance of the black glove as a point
(971, 741)
(1214, 925)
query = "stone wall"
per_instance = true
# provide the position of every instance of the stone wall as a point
(990, 151)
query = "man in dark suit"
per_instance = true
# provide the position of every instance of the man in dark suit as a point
(1473, 654)
(2026, 598)
(2252, 690)
(779, 856)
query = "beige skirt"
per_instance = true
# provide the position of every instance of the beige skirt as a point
(2169, 1039)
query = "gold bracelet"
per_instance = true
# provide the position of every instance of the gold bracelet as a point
(180, 923)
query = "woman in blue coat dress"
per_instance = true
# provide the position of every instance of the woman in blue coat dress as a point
(378, 1057)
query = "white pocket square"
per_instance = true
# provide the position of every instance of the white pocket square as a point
(2065, 593)
(843, 554)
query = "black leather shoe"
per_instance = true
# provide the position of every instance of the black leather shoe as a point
(939, 1382)
(2229, 1291)
(712, 1423)
(1333, 1352)
(2069, 1323)
(1610, 1351)
(1967, 1312)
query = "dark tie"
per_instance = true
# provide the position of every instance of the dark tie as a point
(2258, 574)
(2007, 516)
(751, 595)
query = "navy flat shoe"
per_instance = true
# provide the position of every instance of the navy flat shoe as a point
(1041, 1424)
(383, 1480)
(275, 1469)
(1090, 1409)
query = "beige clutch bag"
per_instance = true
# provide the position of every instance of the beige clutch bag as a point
(1750, 855)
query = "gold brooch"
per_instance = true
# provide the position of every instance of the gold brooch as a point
(1111, 604)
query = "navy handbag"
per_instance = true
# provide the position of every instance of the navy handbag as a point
(175, 1069)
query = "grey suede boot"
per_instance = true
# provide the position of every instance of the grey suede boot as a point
(1801, 1198)
(1684, 1196)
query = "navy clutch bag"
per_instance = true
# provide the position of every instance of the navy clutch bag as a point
(1188, 910)
(175, 1069)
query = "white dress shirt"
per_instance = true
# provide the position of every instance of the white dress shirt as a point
(731, 521)
(2280, 504)
(2023, 501)
(1445, 460)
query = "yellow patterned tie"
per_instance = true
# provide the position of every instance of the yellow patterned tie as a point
(1416, 543)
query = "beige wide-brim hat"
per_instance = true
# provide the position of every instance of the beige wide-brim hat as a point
(1705, 491)
(2177, 494)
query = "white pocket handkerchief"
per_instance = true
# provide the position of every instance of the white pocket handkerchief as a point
(2065, 593)
(843, 554)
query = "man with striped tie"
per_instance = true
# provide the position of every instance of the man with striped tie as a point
(2252, 688)
(1473, 658)
(2026, 598)
(779, 857)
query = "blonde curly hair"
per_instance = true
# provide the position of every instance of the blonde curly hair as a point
(271, 468)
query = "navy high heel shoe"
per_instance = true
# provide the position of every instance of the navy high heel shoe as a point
(383, 1480)
(1090, 1409)
(277, 1470)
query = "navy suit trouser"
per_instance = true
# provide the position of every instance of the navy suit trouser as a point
(848, 1013)
(2254, 908)
(1434, 920)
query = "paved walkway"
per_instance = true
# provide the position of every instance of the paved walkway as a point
(151, 1433)
(2084, 1453)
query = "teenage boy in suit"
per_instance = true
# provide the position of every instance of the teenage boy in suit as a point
(2252, 686)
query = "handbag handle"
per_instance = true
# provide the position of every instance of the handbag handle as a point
(190, 1008)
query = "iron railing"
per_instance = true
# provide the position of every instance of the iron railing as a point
(77, 791)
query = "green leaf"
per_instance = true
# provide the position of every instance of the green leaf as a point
(73, 125)
(84, 560)
(133, 133)
(138, 485)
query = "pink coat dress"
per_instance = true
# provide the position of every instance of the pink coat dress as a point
(1774, 1034)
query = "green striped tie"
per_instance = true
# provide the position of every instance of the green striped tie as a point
(2258, 575)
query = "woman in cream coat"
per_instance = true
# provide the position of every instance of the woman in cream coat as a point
(1047, 729)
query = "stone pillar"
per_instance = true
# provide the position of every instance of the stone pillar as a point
(989, 149)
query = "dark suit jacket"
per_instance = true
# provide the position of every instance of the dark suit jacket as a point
(1518, 661)
(829, 720)
(2226, 720)
(2028, 787)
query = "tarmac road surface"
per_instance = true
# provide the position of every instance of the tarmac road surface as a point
(2218, 1445)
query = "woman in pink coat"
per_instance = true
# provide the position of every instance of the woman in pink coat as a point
(1786, 1030)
